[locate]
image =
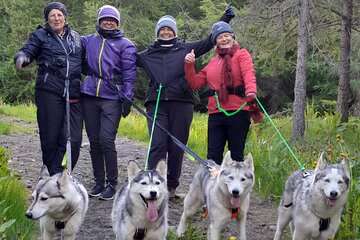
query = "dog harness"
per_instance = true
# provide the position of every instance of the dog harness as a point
(324, 224)
(139, 233)
(235, 212)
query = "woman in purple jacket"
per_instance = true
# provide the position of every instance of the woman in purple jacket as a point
(111, 74)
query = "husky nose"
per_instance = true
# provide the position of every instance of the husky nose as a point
(153, 194)
(333, 194)
(235, 192)
(29, 215)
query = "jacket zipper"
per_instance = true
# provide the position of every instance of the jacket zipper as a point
(99, 64)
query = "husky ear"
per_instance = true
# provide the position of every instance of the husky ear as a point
(345, 165)
(226, 161)
(249, 162)
(162, 168)
(44, 172)
(321, 163)
(133, 169)
(63, 179)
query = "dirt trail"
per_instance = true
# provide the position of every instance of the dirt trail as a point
(25, 158)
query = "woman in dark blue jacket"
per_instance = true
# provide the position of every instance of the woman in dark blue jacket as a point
(164, 64)
(58, 54)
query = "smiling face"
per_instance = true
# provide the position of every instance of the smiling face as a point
(225, 40)
(56, 20)
(108, 23)
(166, 33)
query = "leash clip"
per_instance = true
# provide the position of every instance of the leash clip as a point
(305, 173)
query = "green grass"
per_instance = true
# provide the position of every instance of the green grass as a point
(24, 112)
(273, 161)
(13, 202)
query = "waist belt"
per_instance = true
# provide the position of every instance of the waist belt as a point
(239, 90)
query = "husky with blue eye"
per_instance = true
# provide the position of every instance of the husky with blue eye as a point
(141, 206)
(313, 204)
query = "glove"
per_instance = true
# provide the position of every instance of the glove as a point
(229, 14)
(125, 110)
(21, 60)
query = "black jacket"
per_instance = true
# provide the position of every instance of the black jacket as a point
(165, 65)
(57, 59)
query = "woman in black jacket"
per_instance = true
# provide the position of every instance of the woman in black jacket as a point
(58, 54)
(164, 64)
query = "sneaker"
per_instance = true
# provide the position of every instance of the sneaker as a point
(96, 190)
(108, 193)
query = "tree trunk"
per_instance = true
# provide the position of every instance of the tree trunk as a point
(342, 105)
(356, 107)
(300, 81)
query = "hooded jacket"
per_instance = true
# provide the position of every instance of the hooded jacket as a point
(57, 58)
(165, 65)
(111, 66)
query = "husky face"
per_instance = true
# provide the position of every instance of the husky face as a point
(149, 185)
(236, 178)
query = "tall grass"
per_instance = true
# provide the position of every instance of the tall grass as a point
(13, 202)
(273, 161)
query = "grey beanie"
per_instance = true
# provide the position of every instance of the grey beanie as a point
(54, 5)
(108, 11)
(166, 21)
(219, 28)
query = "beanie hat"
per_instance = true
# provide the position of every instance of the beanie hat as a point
(54, 5)
(166, 21)
(108, 11)
(219, 28)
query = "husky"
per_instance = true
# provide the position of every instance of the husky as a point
(226, 195)
(313, 203)
(140, 207)
(60, 202)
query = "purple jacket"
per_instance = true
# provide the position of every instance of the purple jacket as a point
(111, 66)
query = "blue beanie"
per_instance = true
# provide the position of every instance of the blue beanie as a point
(108, 11)
(166, 21)
(54, 5)
(219, 28)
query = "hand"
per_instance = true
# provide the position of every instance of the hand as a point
(20, 60)
(190, 57)
(229, 11)
(250, 97)
(125, 110)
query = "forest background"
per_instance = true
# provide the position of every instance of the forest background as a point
(268, 29)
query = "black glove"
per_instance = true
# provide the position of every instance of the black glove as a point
(125, 110)
(229, 14)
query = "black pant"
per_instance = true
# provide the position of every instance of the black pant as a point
(176, 117)
(233, 129)
(102, 117)
(51, 118)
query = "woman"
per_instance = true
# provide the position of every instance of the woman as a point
(111, 60)
(58, 53)
(231, 78)
(164, 64)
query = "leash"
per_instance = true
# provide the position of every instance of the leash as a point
(223, 110)
(153, 126)
(302, 168)
(174, 139)
(66, 162)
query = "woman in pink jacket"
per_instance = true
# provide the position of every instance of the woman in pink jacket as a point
(232, 82)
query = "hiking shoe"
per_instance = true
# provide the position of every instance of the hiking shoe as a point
(108, 193)
(96, 190)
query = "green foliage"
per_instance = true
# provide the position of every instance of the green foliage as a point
(13, 201)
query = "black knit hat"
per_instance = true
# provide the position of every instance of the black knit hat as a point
(219, 28)
(54, 5)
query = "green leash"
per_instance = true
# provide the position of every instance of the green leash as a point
(153, 126)
(302, 168)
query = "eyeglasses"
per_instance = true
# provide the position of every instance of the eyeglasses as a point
(109, 20)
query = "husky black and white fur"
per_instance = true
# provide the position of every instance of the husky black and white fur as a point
(141, 206)
(60, 202)
(313, 204)
(225, 193)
